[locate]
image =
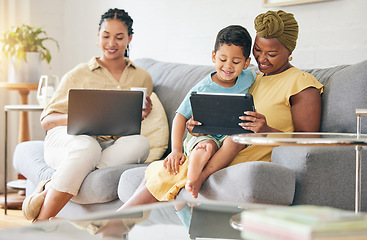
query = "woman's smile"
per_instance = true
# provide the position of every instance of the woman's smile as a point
(264, 67)
(111, 51)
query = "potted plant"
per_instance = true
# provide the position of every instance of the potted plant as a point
(24, 47)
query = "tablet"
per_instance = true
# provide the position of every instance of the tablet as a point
(219, 113)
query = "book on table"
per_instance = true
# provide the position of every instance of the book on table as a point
(303, 222)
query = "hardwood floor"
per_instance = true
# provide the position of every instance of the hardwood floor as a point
(14, 218)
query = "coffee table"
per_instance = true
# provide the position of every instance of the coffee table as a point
(316, 138)
(157, 226)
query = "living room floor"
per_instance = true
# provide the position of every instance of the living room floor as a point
(14, 218)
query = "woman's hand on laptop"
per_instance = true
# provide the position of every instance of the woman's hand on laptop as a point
(190, 124)
(148, 107)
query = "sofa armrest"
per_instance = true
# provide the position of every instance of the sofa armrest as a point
(324, 175)
(28, 160)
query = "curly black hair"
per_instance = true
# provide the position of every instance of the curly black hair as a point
(118, 14)
(236, 35)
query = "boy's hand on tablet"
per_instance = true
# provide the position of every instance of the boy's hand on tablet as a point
(190, 124)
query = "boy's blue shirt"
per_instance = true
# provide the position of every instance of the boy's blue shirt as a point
(243, 83)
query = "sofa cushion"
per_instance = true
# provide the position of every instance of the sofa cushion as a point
(155, 129)
(339, 101)
(129, 182)
(100, 185)
(251, 182)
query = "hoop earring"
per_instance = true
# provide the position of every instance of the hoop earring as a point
(127, 51)
(290, 58)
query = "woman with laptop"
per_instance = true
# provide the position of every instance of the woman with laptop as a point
(75, 156)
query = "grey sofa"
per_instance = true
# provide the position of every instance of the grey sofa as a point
(296, 175)
(324, 175)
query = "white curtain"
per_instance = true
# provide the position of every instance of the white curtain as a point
(12, 13)
(3, 26)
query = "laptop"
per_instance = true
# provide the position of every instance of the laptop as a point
(219, 113)
(104, 112)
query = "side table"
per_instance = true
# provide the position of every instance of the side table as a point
(23, 89)
(7, 108)
(319, 139)
(359, 114)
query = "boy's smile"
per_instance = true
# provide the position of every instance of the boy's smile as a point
(229, 63)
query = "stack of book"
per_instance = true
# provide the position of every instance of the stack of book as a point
(303, 222)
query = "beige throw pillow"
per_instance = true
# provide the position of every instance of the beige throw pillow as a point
(155, 128)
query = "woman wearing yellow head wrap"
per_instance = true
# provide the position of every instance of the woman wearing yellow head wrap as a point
(280, 29)
(280, 25)
(286, 98)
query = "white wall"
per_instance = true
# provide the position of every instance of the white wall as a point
(331, 33)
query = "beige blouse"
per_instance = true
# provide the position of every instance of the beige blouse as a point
(92, 75)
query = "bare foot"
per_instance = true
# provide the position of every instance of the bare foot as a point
(193, 188)
(199, 157)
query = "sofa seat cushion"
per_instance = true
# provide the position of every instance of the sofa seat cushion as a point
(101, 185)
(251, 182)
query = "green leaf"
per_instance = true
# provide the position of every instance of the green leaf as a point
(17, 41)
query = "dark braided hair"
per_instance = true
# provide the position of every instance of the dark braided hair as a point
(118, 14)
(236, 35)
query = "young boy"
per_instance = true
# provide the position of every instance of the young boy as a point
(231, 58)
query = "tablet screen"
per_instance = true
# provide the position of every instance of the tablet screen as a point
(219, 113)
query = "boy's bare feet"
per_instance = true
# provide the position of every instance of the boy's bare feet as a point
(193, 188)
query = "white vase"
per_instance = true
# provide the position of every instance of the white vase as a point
(25, 72)
(46, 87)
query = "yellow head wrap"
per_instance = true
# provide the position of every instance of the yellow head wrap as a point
(280, 25)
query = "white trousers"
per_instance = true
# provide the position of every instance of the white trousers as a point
(75, 156)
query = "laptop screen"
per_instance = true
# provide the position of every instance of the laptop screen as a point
(104, 112)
